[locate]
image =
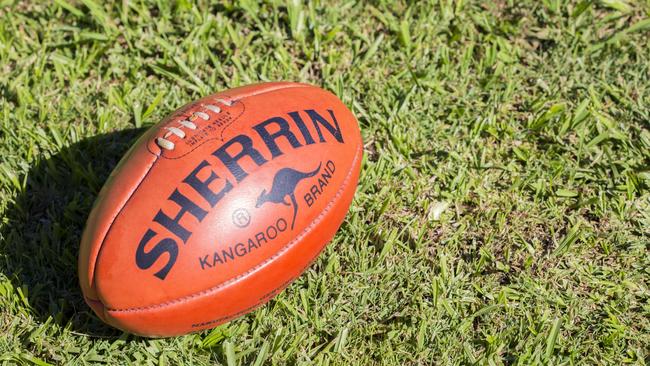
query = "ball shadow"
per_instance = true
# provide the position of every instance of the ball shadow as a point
(42, 229)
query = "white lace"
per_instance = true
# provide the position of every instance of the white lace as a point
(164, 141)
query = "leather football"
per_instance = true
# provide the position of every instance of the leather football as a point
(219, 207)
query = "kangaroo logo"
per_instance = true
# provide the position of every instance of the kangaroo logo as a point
(284, 184)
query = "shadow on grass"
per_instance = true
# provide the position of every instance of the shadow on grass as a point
(43, 227)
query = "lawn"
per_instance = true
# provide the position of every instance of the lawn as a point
(503, 211)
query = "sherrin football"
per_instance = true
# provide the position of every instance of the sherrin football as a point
(219, 207)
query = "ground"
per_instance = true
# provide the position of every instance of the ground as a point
(503, 209)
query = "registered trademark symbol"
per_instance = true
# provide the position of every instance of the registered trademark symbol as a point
(241, 217)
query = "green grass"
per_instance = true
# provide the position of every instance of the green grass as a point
(503, 211)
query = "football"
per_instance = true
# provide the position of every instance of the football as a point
(219, 207)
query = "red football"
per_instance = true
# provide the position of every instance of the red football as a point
(219, 207)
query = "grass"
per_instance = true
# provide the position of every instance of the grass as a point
(503, 210)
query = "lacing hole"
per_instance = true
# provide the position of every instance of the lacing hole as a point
(165, 144)
(213, 108)
(202, 115)
(226, 102)
(188, 124)
(176, 131)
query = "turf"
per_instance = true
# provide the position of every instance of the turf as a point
(503, 211)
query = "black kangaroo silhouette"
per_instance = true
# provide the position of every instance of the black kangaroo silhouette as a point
(284, 184)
